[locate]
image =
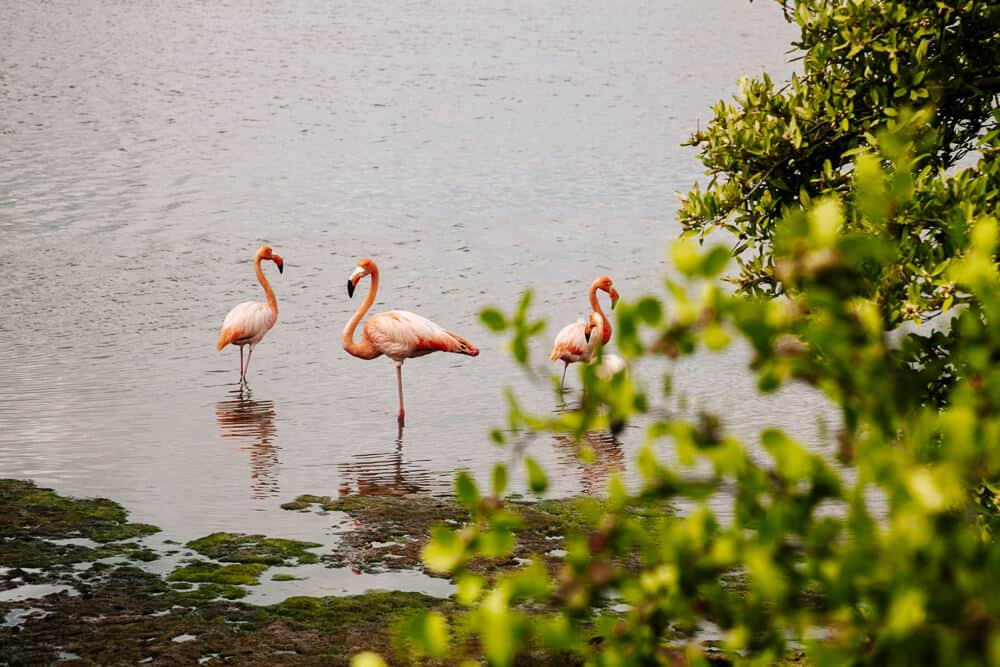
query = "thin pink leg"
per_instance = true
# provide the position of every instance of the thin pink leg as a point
(399, 383)
(242, 372)
(562, 383)
(249, 354)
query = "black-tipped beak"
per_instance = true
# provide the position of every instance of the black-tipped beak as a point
(350, 289)
(614, 299)
(281, 264)
(586, 335)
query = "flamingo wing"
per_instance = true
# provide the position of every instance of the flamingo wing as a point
(571, 345)
(246, 323)
(399, 334)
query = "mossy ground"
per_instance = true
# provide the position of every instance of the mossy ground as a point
(122, 615)
(125, 616)
(242, 548)
(388, 532)
(31, 516)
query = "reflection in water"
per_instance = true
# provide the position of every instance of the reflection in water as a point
(252, 424)
(608, 458)
(389, 474)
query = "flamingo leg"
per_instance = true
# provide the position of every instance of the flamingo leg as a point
(242, 374)
(249, 354)
(399, 383)
(562, 383)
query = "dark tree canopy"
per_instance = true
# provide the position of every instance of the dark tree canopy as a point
(930, 66)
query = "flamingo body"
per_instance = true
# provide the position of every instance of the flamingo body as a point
(397, 334)
(247, 323)
(578, 341)
(400, 334)
(572, 345)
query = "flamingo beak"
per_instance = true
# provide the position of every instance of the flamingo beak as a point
(614, 298)
(280, 262)
(586, 334)
(353, 281)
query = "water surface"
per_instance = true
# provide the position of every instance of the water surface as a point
(473, 149)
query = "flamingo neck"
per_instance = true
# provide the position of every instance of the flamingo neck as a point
(363, 349)
(272, 301)
(605, 322)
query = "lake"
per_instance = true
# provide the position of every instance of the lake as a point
(472, 149)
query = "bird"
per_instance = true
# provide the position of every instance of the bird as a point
(398, 334)
(574, 342)
(247, 323)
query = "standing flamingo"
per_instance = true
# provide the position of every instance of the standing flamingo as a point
(397, 334)
(575, 342)
(247, 323)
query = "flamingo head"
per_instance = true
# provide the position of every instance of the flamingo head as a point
(593, 322)
(365, 267)
(265, 252)
(604, 283)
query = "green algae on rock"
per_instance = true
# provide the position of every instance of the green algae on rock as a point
(31, 517)
(247, 574)
(27, 510)
(242, 548)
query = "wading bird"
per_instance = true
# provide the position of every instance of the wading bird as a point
(247, 323)
(578, 341)
(397, 334)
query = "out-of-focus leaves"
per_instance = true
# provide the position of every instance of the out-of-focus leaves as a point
(537, 480)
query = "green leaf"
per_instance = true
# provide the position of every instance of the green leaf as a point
(445, 551)
(428, 632)
(537, 481)
(493, 319)
(468, 588)
(650, 310)
(496, 543)
(715, 262)
(499, 479)
(367, 659)
(465, 489)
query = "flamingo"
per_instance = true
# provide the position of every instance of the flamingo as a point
(575, 342)
(247, 323)
(398, 334)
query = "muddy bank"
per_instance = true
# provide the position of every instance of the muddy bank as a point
(388, 532)
(73, 589)
(103, 611)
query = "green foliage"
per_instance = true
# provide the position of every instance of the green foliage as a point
(928, 72)
(845, 196)
(893, 563)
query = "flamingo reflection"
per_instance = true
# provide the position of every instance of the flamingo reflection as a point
(251, 424)
(387, 473)
(609, 458)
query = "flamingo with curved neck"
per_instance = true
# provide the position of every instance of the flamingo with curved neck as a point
(398, 334)
(577, 342)
(247, 323)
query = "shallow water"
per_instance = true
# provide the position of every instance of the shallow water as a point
(472, 149)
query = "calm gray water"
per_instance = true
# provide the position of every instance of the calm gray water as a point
(473, 149)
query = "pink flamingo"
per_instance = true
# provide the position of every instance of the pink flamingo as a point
(397, 334)
(575, 342)
(247, 323)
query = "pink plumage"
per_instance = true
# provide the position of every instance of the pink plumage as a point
(578, 341)
(247, 323)
(398, 334)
